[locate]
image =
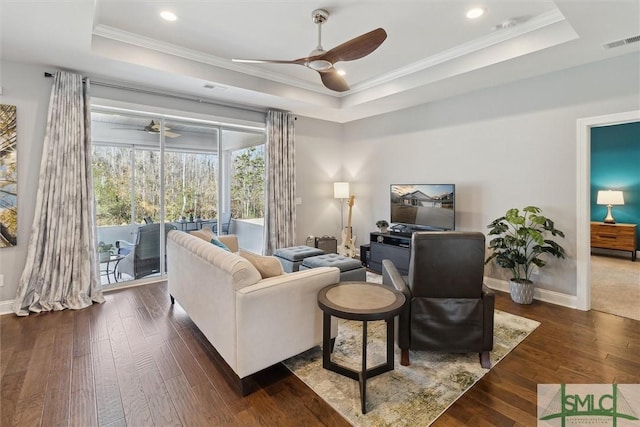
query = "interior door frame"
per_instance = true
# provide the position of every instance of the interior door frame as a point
(583, 202)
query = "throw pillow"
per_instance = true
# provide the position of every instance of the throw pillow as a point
(221, 245)
(268, 266)
(205, 234)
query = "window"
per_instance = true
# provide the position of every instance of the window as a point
(247, 183)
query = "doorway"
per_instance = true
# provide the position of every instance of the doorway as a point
(583, 206)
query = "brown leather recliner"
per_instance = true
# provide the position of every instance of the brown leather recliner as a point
(448, 308)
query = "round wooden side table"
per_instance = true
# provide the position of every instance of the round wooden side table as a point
(365, 302)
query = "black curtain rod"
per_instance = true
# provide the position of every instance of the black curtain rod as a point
(46, 74)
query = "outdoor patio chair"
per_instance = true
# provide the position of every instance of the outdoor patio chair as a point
(224, 224)
(142, 258)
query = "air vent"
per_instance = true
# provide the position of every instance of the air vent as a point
(621, 42)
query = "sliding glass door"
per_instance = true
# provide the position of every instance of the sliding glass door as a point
(126, 173)
(243, 164)
(155, 174)
(191, 174)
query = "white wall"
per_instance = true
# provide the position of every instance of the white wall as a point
(509, 146)
(26, 88)
(319, 160)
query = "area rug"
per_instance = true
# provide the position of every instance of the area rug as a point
(412, 395)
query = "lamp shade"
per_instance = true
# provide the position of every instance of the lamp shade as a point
(341, 190)
(610, 197)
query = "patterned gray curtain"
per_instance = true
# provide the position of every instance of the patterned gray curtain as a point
(280, 214)
(61, 269)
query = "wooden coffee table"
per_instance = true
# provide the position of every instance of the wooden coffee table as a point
(365, 302)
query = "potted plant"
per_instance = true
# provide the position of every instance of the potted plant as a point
(518, 243)
(382, 225)
(104, 251)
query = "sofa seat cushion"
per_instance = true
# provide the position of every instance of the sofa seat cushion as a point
(268, 266)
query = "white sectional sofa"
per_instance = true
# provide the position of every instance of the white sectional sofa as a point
(252, 322)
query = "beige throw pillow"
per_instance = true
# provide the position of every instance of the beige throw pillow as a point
(204, 234)
(268, 266)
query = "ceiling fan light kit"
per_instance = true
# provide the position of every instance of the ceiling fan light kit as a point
(323, 61)
(319, 65)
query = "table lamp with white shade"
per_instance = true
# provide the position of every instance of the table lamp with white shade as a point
(610, 198)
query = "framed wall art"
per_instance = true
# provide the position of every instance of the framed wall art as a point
(8, 177)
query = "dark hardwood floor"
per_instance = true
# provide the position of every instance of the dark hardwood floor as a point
(137, 360)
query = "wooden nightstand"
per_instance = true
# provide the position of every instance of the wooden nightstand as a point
(620, 237)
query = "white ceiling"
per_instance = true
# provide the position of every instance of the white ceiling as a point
(432, 51)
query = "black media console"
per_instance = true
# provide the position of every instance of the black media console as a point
(393, 246)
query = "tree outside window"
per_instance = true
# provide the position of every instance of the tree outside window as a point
(247, 183)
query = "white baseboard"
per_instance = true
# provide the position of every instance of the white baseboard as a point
(5, 307)
(545, 295)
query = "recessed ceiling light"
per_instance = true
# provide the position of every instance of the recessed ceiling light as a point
(168, 16)
(475, 12)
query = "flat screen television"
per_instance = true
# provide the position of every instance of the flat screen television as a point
(423, 207)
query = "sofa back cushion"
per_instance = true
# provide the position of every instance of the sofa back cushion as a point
(225, 266)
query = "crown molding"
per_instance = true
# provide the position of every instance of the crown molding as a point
(497, 37)
(127, 37)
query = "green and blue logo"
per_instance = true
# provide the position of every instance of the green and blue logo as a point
(588, 404)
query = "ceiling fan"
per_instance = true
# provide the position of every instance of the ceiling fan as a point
(154, 127)
(323, 61)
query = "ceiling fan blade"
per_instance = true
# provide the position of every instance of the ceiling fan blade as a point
(300, 61)
(356, 48)
(334, 81)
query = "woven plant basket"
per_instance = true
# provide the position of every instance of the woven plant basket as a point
(521, 292)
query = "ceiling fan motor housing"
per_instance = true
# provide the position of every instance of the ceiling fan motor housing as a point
(319, 16)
